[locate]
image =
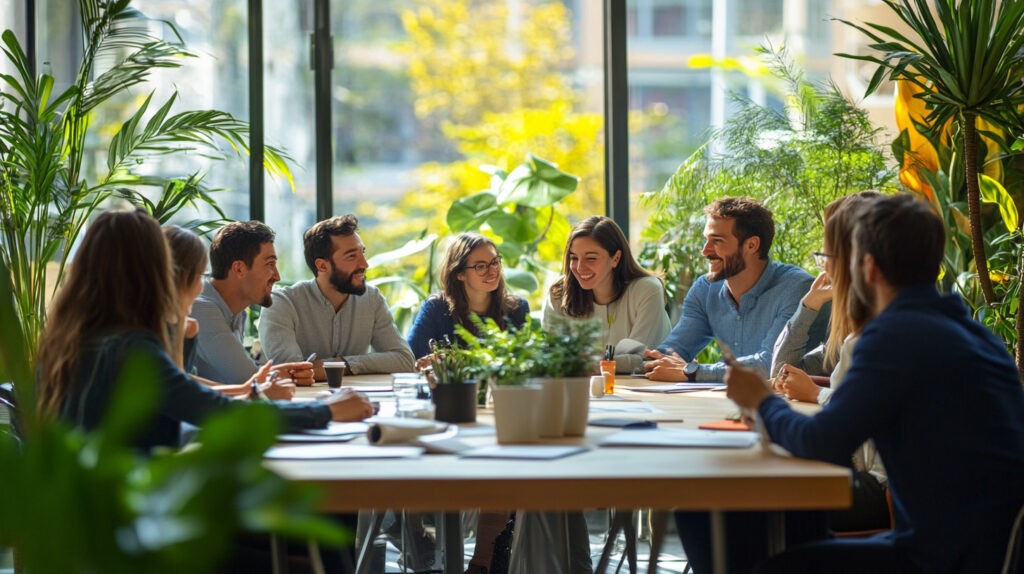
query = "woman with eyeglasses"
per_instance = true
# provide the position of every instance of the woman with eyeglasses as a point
(472, 284)
(601, 279)
(793, 363)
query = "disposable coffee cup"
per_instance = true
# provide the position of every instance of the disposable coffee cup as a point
(335, 372)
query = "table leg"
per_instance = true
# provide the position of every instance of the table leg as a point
(718, 541)
(609, 545)
(278, 554)
(659, 524)
(454, 562)
(365, 558)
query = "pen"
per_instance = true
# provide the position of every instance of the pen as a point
(311, 358)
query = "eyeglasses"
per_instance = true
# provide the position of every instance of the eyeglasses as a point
(483, 268)
(821, 258)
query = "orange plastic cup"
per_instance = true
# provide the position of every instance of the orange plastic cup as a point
(608, 370)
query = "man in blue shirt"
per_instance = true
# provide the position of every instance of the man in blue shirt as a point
(937, 393)
(745, 298)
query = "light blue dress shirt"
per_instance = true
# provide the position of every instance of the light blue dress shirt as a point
(750, 329)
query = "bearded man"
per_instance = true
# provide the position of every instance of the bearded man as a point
(744, 300)
(336, 314)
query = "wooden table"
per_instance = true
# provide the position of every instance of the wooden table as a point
(716, 480)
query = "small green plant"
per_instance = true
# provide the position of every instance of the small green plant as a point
(451, 363)
(504, 357)
(568, 349)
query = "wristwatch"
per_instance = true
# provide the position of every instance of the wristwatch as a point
(690, 370)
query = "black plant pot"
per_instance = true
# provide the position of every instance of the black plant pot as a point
(456, 403)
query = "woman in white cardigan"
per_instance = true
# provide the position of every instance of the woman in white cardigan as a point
(600, 279)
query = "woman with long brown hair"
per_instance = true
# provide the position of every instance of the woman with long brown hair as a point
(472, 283)
(601, 279)
(119, 302)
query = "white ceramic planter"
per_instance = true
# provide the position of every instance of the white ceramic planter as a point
(551, 415)
(577, 405)
(515, 413)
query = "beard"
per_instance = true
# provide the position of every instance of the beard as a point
(861, 306)
(267, 301)
(343, 282)
(731, 265)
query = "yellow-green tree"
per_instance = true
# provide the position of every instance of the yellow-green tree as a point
(494, 81)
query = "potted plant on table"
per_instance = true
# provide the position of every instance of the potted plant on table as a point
(505, 360)
(565, 355)
(455, 380)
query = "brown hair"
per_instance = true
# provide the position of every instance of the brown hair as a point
(121, 279)
(840, 219)
(453, 291)
(752, 219)
(316, 242)
(188, 255)
(237, 241)
(578, 302)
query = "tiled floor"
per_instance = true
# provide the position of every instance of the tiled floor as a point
(671, 561)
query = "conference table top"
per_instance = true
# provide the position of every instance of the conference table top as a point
(601, 477)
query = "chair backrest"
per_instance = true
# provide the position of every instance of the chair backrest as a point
(9, 407)
(1014, 561)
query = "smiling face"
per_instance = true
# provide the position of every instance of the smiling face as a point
(592, 266)
(258, 280)
(722, 249)
(474, 282)
(348, 264)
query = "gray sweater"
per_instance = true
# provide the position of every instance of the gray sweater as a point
(302, 321)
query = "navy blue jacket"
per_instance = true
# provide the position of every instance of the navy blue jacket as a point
(941, 397)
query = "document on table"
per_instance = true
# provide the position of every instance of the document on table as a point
(682, 438)
(686, 387)
(340, 451)
(623, 407)
(524, 451)
(335, 432)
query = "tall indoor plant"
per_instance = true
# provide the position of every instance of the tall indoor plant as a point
(966, 56)
(48, 190)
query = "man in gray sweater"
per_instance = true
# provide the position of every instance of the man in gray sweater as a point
(336, 314)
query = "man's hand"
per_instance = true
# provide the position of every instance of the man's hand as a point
(661, 367)
(348, 405)
(279, 390)
(301, 373)
(819, 293)
(745, 387)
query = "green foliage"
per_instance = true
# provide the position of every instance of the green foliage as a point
(452, 363)
(519, 208)
(967, 59)
(509, 357)
(111, 509)
(568, 349)
(45, 198)
(796, 160)
(504, 356)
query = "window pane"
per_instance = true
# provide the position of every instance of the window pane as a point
(12, 17)
(427, 91)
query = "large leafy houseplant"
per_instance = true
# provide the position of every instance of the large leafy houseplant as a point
(967, 58)
(819, 147)
(48, 189)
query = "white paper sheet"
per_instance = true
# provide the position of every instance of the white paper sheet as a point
(682, 438)
(524, 451)
(340, 451)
